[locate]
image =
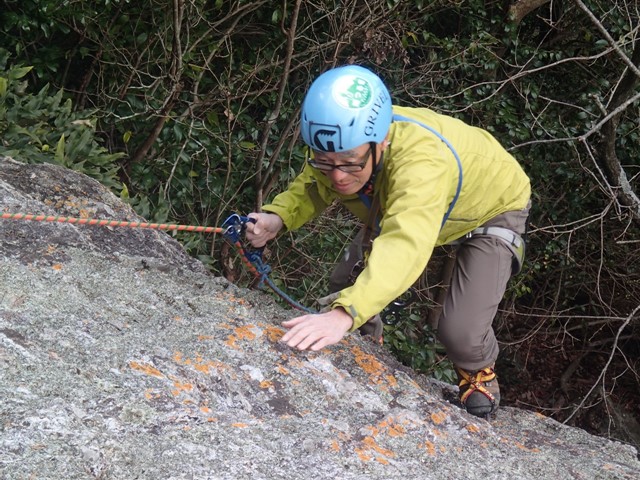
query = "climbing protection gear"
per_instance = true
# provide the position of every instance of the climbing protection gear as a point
(344, 108)
(479, 391)
(234, 227)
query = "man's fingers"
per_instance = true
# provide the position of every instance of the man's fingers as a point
(293, 322)
(320, 344)
(316, 331)
(302, 334)
(296, 333)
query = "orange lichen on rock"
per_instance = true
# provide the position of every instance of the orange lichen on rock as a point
(180, 387)
(391, 426)
(527, 449)
(429, 447)
(273, 333)
(363, 454)
(199, 363)
(438, 417)
(266, 384)
(243, 332)
(370, 447)
(239, 425)
(372, 366)
(373, 431)
(473, 428)
(233, 299)
(177, 357)
(396, 431)
(146, 369)
(335, 446)
(149, 394)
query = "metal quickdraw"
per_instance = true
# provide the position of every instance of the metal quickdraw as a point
(233, 229)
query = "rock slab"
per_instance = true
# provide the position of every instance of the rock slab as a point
(121, 357)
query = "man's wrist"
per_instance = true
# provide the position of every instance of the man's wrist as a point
(348, 319)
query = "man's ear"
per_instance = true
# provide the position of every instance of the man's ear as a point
(385, 143)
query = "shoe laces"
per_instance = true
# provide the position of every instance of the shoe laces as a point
(474, 382)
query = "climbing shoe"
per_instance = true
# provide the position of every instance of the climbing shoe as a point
(374, 328)
(479, 391)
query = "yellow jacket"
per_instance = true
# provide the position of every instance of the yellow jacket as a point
(416, 184)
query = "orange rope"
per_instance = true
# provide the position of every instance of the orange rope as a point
(111, 223)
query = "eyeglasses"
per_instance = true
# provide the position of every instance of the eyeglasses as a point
(343, 167)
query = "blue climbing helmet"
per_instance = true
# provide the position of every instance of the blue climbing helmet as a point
(344, 108)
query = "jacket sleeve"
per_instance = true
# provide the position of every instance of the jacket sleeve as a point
(304, 200)
(419, 190)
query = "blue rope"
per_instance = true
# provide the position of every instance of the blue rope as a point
(265, 279)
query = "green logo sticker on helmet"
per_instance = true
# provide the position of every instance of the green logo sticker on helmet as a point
(352, 92)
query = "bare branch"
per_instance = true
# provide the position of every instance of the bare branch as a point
(291, 36)
(603, 372)
(609, 38)
(176, 85)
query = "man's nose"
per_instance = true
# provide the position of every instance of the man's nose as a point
(336, 175)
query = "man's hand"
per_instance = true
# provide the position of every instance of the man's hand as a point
(317, 331)
(266, 228)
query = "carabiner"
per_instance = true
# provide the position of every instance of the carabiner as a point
(235, 225)
(391, 314)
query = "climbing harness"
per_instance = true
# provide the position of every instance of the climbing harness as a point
(514, 242)
(232, 229)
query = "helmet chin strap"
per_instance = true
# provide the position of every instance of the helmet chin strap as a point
(367, 188)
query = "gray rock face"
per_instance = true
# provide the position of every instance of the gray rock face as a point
(121, 357)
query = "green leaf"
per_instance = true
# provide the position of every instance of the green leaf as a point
(59, 156)
(17, 73)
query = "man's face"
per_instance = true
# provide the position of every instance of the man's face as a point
(357, 162)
